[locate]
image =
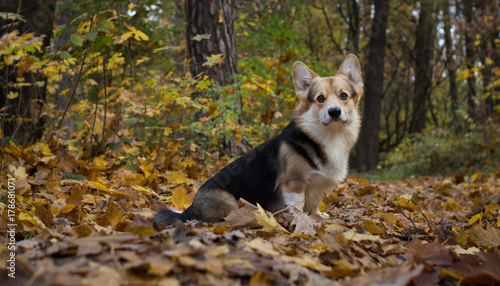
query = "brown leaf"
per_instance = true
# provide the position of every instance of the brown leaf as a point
(394, 276)
(44, 214)
(488, 238)
(431, 253)
(113, 213)
(244, 216)
(304, 223)
(76, 195)
(483, 268)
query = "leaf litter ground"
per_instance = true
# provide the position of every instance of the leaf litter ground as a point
(96, 228)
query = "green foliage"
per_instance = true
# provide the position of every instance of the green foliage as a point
(438, 150)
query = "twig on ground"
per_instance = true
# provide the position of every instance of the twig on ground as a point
(403, 213)
(289, 207)
(428, 223)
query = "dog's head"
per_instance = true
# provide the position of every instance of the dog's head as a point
(329, 99)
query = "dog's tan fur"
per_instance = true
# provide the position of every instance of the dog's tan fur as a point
(300, 165)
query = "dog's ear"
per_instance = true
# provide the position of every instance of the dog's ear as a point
(302, 77)
(351, 69)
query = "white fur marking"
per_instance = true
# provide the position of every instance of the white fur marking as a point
(294, 198)
(337, 138)
(175, 210)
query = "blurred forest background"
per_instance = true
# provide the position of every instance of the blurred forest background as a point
(188, 85)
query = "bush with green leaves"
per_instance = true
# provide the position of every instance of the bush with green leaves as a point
(438, 150)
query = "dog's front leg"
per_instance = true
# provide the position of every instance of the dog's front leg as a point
(293, 192)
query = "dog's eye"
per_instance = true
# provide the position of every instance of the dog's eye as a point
(321, 99)
(344, 96)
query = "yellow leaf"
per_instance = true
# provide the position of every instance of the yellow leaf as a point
(475, 218)
(268, 222)
(33, 220)
(99, 186)
(461, 239)
(180, 200)
(67, 208)
(372, 228)
(145, 190)
(452, 274)
(178, 177)
(358, 237)
(44, 148)
(100, 163)
(476, 177)
(214, 59)
(12, 95)
(131, 6)
(452, 206)
(114, 214)
(262, 246)
(19, 172)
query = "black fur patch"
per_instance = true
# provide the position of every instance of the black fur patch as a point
(303, 152)
(352, 91)
(312, 92)
(304, 146)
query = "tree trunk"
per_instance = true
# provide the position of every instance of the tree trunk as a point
(426, 33)
(470, 55)
(352, 20)
(39, 16)
(368, 146)
(214, 17)
(484, 53)
(450, 64)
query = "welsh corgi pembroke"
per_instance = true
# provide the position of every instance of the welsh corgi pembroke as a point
(298, 166)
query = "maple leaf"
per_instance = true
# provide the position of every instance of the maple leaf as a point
(201, 37)
(214, 59)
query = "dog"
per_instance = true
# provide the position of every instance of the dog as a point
(298, 166)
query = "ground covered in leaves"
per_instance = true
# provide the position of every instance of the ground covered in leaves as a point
(89, 222)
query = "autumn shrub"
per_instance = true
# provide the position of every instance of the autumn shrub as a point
(439, 150)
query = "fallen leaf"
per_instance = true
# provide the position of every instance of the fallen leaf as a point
(359, 237)
(268, 222)
(488, 238)
(244, 216)
(394, 276)
(304, 223)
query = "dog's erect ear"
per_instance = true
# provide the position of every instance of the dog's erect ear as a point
(351, 69)
(302, 77)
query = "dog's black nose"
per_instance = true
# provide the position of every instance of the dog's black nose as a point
(335, 112)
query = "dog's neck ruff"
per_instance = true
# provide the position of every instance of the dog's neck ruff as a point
(336, 138)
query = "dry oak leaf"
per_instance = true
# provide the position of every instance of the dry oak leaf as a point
(268, 222)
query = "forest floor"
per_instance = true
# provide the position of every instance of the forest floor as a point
(98, 230)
